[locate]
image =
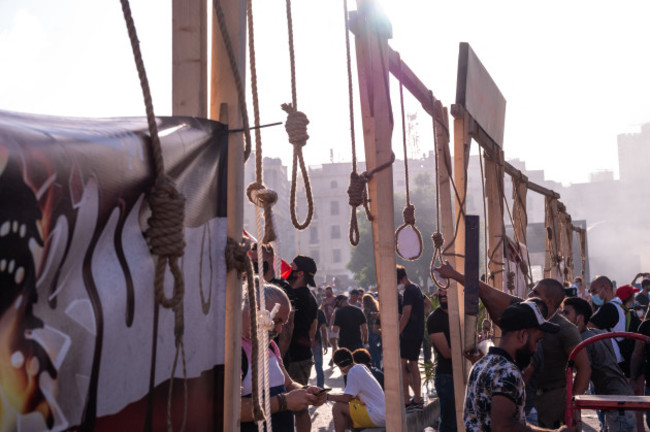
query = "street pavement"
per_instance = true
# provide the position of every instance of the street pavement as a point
(321, 417)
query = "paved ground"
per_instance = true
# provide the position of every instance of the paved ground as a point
(322, 416)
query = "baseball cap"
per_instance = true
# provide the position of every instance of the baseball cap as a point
(626, 291)
(308, 265)
(525, 315)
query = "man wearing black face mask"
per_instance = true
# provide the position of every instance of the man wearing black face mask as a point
(438, 331)
(495, 394)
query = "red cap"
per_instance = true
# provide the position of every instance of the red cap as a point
(626, 291)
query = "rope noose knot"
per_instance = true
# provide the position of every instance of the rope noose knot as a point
(265, 198)
(237, 254)
(438, 240)
(409, 214)
(265, 317)
(296, 125)
(357, 189)
(166, 235)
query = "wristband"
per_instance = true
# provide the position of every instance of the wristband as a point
(282, 400)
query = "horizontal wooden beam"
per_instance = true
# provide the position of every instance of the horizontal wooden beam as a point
(410, 80)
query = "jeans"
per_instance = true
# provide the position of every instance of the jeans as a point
(374, 348)
(620, 422)
(445, 389)
(318, 364)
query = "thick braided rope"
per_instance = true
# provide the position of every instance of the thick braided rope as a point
(262, 335)
(241, 94)
(165, 234)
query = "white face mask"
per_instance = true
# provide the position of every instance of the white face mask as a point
(400, 288)
(640, 313)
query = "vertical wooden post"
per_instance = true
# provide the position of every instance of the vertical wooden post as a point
(189, 58)
(520, 222)
(454, 296)
(494, 181)
(551, 268)
(224, 105)
(372, 32)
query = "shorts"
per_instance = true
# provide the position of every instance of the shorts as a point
(410, 348)
(332, 334)
(300, 371)
(359, 415)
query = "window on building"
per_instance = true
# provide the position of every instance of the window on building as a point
(335, 232)
(314, 255)
(334, 184)
(313, 235)
(336, 255)
(334, 208)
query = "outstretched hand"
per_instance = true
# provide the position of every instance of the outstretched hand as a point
(447, 271)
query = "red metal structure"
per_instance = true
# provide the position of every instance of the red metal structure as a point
(601, 402)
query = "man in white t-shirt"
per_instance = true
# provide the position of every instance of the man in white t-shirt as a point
(362, 403)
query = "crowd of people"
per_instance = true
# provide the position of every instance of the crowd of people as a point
(519, 383)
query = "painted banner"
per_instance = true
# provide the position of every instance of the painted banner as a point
(83, 346)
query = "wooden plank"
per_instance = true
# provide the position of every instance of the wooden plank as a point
(462, 143)
(189, 58)
(225, 106)
(494, 181)
(454, 295)
(566, 243)
(372, 33)
(477, 92)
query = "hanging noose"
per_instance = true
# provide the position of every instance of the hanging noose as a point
(436, 237)
(402, 236)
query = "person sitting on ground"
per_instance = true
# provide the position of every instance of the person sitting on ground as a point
(362, 403)
(287, 396)
(606, 375)
(494, 398)
(362, 356)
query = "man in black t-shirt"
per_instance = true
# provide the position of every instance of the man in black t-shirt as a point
(411, 333)
(305, 323)
(438, 331)
(351, 324)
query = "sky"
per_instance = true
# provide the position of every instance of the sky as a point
(574, 73)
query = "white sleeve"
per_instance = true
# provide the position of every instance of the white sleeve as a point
(353, 386)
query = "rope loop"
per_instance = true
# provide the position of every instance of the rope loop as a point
(438, 242)
(409, 214)
(165, 234)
